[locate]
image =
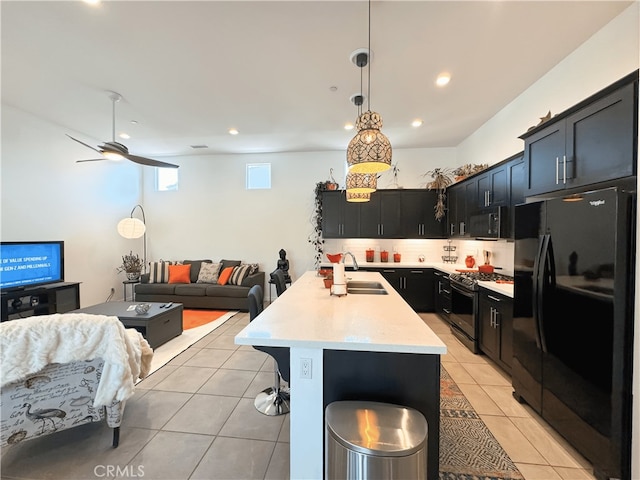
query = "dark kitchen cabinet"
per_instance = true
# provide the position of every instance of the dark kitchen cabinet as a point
(415, 285)
(442, 294)
(592, 142)
(491, 188)
(340, 219)
(381, 216)
(418, 214)
(457, 208)
(496, 327)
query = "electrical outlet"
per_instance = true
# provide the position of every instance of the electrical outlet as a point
(305, 368)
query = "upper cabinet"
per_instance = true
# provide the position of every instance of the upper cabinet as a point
(594, 141)
(340, 219)
(381, 216)
(418, 214)
(515, 187)
(491, 188)
(389, 214)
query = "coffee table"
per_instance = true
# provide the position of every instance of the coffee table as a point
(158, 325)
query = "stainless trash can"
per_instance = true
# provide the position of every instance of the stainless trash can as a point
(372, 440)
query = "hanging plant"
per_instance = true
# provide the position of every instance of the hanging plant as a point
(441, 179)
(331, 184)
(315, 238)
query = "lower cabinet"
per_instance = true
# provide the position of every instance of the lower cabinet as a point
(415, 285)
(496, 327)
(46, 300)
(442, 294)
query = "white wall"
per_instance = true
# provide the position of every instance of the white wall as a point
(608, 55)
(213, 216)
(47, 196)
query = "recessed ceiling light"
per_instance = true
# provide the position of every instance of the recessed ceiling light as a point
(348, 126)
(443, 79)
(416, 123)
(124, 135)
(234, 131)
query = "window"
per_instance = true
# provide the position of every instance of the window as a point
(166, 179)
(258, 175)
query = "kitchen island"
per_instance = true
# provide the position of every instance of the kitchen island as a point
(358, 347)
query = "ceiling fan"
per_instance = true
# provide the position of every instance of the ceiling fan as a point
(115, 151)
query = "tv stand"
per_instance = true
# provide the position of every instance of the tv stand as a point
(58, 297)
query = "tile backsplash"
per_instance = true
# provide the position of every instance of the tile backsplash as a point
(432, 250)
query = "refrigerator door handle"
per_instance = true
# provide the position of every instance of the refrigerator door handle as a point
(538, 268)
(546, 279)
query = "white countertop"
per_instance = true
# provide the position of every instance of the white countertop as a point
(307, 316)
(505, 289)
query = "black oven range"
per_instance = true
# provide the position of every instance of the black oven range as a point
(465, 310)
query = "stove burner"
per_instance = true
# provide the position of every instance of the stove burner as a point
(470, 279)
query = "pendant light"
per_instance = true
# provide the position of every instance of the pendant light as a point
(369, 151)
(361, 182)
(358, 197)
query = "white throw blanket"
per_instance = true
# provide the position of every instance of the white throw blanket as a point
(28, 345)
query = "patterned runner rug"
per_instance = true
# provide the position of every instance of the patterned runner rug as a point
(468, 450)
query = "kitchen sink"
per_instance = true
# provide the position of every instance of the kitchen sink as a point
(365, 288)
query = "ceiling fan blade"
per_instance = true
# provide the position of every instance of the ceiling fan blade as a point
(82, 143)
(91, 160)
(149, 162)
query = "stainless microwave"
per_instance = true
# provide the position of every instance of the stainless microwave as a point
(488, 224)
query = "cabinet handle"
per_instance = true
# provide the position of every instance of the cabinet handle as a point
(448, 292)
(495, 299)
(446, 311)
(417, 271)
(564, 169)
(495, 314)
(557, 167)
(382, 229)
(451, 230)
(462, 229)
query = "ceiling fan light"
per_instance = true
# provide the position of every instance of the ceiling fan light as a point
(112, 155)
(358, 197)
(361, 182)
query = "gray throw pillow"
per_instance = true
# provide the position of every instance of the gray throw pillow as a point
(208, 273)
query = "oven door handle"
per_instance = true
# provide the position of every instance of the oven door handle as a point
(465, 292)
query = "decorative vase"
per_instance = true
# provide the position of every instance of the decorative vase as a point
(469, 261)
(384, 256)
(369, 252)
(133, 275)
(396, 257)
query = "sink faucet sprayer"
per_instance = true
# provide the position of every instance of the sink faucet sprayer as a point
(355, 264)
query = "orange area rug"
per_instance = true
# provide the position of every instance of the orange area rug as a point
(196, 318)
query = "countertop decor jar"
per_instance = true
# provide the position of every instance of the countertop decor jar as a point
(384, 256)
(370, 254)
(469, 261)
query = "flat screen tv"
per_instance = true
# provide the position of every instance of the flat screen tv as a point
(30, 264)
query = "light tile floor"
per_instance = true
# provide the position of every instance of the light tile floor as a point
(194, 419)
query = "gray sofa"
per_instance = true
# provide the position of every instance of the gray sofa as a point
(200, 295)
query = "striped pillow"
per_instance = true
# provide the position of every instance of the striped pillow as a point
(159, 272)
(239, 274)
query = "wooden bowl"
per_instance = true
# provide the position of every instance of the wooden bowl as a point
(334, 257)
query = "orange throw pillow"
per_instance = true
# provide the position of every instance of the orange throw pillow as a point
(225, 275)
(180, 273)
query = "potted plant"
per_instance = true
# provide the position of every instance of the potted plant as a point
(441, 180)
(315, 238)
(131, 265)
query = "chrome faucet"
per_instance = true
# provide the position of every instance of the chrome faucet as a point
(355, 264)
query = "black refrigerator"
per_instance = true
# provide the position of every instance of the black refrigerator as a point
(573, 320)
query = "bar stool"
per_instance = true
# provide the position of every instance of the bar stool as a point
(272, 400)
